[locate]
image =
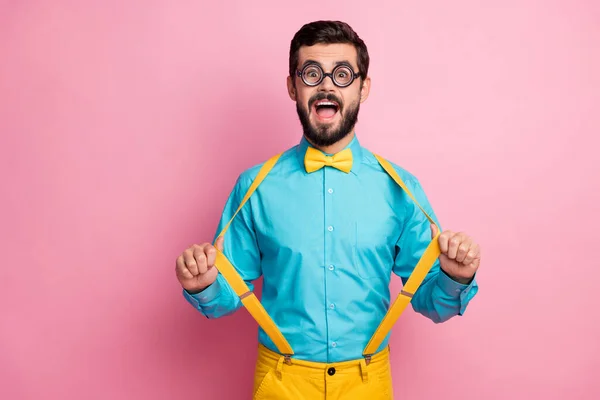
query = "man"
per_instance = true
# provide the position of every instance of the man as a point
(326, 227)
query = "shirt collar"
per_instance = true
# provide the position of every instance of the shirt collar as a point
(354, 145)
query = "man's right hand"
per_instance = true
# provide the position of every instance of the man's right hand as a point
(195, 267)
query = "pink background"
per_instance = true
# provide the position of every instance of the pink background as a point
(124, 126)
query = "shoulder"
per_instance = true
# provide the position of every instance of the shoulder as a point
(285, 161)
(369, 160)
(410, 180)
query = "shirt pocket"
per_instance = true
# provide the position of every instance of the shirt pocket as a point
(373, 250)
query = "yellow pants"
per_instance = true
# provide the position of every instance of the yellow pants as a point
(303, 380)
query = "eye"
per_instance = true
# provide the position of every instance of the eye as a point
(312, 74)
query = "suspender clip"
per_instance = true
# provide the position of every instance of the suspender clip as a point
(368, 358)
(288, 359)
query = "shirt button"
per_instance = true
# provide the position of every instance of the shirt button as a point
(331, 267)
(332, 306)
(331, 371)
(334, 344)
(330, 228)
(329, 190)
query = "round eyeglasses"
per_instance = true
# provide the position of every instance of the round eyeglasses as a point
(342, 75)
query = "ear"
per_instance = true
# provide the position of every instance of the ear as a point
(366, 88)
(291, 88)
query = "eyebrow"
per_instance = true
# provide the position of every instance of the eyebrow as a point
(336, 63)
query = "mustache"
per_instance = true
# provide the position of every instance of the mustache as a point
(323, 96)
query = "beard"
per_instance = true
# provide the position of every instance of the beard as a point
(323, 135)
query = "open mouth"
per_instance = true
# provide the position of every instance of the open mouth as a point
(326, 109)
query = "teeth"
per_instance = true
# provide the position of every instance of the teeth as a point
(325, 103)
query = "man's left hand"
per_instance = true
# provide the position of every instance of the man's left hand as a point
(460, 255)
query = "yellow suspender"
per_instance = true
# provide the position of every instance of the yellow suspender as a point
(249, 299)
(431, 253)
(255, 308)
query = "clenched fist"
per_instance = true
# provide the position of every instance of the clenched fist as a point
(195, 267)
(460, 256)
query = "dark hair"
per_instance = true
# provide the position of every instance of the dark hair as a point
(328, 32)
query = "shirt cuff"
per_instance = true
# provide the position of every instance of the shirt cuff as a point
(205, 296)
(457, 290)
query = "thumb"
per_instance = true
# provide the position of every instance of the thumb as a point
(219, 243)
(434, 230)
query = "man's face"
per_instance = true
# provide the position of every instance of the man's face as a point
(327, 112)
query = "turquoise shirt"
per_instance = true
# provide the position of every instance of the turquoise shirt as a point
(326, 244)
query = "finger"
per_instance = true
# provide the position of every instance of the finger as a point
(200, 257)
(219, 243)
(472, 255)
(211, 255)
(190, 261)
(463, 249)
(434, 230)
(444, 240)
(181, 269)
(477, 261)
(453, 244)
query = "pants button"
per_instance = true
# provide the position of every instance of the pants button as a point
(331, 371)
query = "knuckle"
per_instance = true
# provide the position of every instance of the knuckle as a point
(455, 241)
(188, 253)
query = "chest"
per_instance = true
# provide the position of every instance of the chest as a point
(327, 211)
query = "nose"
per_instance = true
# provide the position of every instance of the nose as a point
(326, 84)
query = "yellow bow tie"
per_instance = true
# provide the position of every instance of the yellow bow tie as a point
(314, 160)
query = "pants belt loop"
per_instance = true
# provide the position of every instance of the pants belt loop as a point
(363, 371)
(279, 368)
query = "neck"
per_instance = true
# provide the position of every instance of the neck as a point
(337, 146)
